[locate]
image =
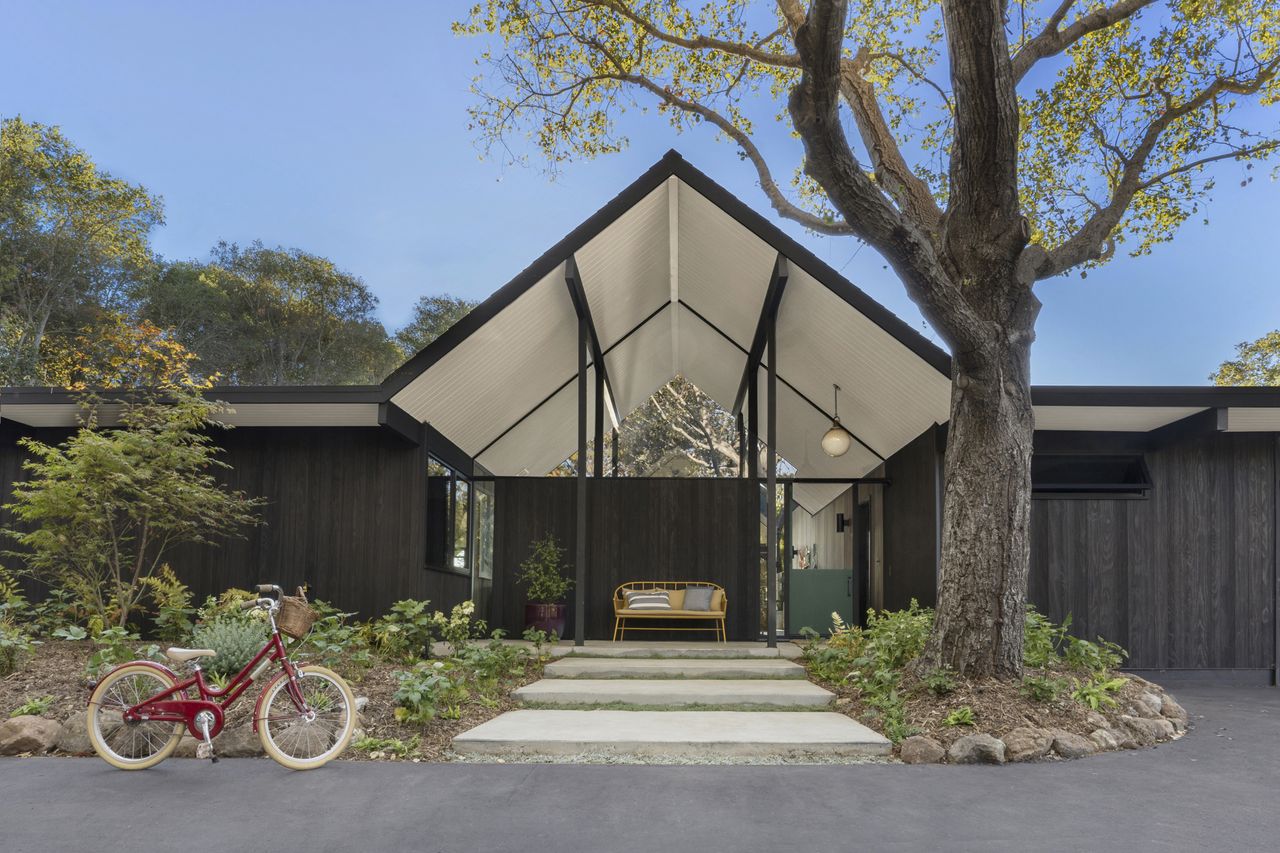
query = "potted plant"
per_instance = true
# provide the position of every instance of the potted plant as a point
(547, 585)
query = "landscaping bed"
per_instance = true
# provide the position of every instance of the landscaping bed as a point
(1071, 702)
(419, 677)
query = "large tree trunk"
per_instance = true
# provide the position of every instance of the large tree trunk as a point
(986, 515)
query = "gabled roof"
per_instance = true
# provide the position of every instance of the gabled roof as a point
(675, 272)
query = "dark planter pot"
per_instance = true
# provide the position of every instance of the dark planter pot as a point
(545, 617)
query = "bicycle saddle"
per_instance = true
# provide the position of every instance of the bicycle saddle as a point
(179, 655)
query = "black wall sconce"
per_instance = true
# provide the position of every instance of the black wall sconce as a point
(842, 523)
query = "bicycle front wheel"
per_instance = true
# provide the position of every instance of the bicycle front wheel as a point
(309, 738)
(128, 745)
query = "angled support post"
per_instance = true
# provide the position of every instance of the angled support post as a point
(771, 480)
(573, 280)
(768, 314)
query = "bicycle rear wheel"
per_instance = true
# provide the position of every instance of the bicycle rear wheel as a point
(305, 740)
(130, 745)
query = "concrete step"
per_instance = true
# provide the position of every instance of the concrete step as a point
(789, 693)
(581, 667)
(680, 651)
(712, 734)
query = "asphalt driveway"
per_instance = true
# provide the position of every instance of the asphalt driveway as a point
(1216, 789)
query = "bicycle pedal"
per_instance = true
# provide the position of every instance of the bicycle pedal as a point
(205, 750)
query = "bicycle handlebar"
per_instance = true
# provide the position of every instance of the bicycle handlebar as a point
(268, 588)
(249, 605)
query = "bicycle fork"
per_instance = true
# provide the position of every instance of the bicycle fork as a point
(204, 720)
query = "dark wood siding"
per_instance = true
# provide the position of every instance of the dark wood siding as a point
(911, 524)
(638, 529)
(1183, 580)
(345, 514)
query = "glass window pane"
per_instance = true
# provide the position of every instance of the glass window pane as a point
(461, 505)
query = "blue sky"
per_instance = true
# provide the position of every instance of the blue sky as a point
(305, 125)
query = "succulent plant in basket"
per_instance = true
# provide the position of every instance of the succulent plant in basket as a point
(543, 575)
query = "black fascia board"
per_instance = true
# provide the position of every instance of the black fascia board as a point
(1206, 396)
(228, 393)
(400, 422)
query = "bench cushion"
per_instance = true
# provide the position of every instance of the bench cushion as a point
(700, 614)
(698, 597)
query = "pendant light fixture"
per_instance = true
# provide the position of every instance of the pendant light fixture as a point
(836, 441)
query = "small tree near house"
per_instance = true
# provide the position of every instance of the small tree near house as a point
(102, 510)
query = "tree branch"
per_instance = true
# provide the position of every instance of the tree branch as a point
(754, 52)
(1093, 240)
(814, 107)
(1052, 40)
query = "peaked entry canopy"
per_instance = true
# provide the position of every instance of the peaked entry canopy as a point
(675, 272)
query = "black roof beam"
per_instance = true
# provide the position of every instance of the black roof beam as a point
(573, 280)
(768, 314)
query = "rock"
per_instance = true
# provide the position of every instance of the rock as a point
(1174, 713)
(1097, 720)
(1026, 743)
(28, 733)
(1147, 731)
(238, 742)
(1104, 740)
(73, 737)
(1149, 704)
(919, 749)
(843, 702)
(362, 702)
(1070, 745)
(977, 749)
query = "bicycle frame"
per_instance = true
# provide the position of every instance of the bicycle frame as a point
(173, 705)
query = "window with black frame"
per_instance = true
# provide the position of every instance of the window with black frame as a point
(448, 506)
(1097, 476)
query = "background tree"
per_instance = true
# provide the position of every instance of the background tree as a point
(993, 145)
(72, 238)
(1256, 363)
(259, 316)
(117, 353)
(432, 317)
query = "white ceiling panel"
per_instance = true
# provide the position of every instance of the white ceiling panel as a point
(814, 496)
(724, 269)
(800, 431)
(888, 394)
(708, 360)
(502, 370)
(625, 270)
(544, 439)
(1109, 418)
(641, 364)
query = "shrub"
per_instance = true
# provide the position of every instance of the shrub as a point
(1041, 638)
(236, 641)
(33, 706)
(171, 600)
(404, 633)
(227, 606)
(1043, 688)
(491, 663)
(1046, 645)
(1096, 657)
(15, 645)
(895, 638)
(542, 641)
(835, 659)
(940, 681)
(57, 610)
(543, 572)
(334, 642)
(458, 627)
(111, 647)
(100, 511)
(962, 716)
(427, 691)
(1096, 692)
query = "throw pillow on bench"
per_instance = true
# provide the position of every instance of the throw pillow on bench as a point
(652, 599)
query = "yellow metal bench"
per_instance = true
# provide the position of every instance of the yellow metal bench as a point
(622, 614)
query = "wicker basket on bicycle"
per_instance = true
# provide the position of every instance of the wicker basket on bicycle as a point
(296, 616)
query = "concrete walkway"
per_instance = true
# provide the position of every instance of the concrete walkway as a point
(1216, 789)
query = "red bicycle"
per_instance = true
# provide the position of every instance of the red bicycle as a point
(304, 715)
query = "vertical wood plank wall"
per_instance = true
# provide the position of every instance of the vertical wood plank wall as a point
(345, 514)
(911, 524)
(1182, 580)
(638, 529)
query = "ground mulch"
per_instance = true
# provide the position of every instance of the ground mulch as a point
(57, 669)
(998, 707)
